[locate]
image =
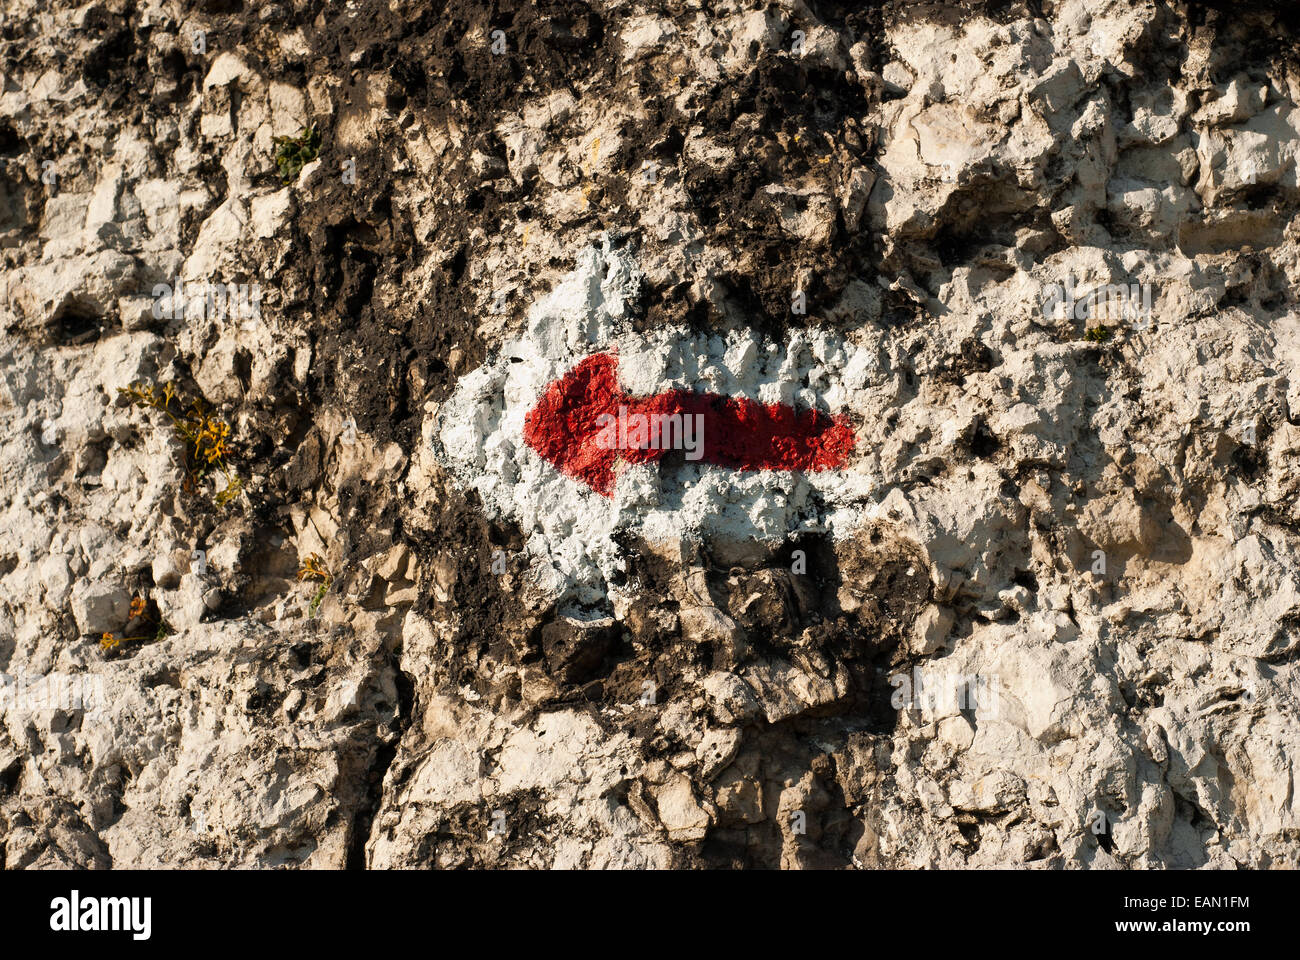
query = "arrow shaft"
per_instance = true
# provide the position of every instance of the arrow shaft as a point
(732, 432)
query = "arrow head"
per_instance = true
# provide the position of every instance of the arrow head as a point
(562, 426)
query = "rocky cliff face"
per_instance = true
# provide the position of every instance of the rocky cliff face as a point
(325, 607)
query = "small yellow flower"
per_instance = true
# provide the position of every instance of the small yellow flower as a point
(313, 568)
(108, 642)
(206, 438)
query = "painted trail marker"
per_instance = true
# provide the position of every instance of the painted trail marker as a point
(566, 430)
(584, 424)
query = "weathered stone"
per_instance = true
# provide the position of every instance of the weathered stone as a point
(575, 648)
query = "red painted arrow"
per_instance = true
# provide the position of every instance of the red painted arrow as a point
(571, 426)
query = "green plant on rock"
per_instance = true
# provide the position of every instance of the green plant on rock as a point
(313, 568)
(205, 438)
(109, 642)
(294, 153)
(1098, 335)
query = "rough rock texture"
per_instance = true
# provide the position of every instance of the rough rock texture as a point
(1080, 536)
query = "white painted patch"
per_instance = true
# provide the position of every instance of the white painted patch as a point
(479, 438)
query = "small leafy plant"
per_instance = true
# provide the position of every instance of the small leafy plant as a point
(294, 153)
(140, 611)
(313, 568)
(206, 438)
(1098, 335)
